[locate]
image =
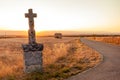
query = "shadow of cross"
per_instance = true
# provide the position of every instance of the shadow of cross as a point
(30, 15)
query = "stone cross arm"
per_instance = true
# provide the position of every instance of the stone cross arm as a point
(30, 14)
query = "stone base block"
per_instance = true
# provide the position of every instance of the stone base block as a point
(33, 68)
(32, 61)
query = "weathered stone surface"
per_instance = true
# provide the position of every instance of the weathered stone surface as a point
(32, 39)
(33, 50)
(33, 68)
(31, 31)
(32, 47)
(33, 61)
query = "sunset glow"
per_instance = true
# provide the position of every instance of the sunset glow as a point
(75, 15)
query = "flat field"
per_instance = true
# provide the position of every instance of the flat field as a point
(62, 58)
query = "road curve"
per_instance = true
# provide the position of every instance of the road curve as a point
(109, 69)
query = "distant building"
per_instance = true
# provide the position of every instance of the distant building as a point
(58, 35)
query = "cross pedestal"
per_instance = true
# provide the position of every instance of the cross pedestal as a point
(32, 50)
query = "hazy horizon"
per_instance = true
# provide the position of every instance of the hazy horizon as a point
(49, 33)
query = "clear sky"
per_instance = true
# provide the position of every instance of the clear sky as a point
(80, 15)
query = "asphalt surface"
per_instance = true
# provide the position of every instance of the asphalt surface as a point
(108, 69)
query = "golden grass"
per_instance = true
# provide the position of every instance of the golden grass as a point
(110, 40)
(61, 58)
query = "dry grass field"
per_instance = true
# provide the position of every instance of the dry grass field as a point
(111, 40)
(61, 57)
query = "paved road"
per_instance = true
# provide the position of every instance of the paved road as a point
(109, 69)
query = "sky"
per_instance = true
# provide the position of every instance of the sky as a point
(66, 15)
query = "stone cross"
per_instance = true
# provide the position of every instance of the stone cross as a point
(32, 50)
(31, 31)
